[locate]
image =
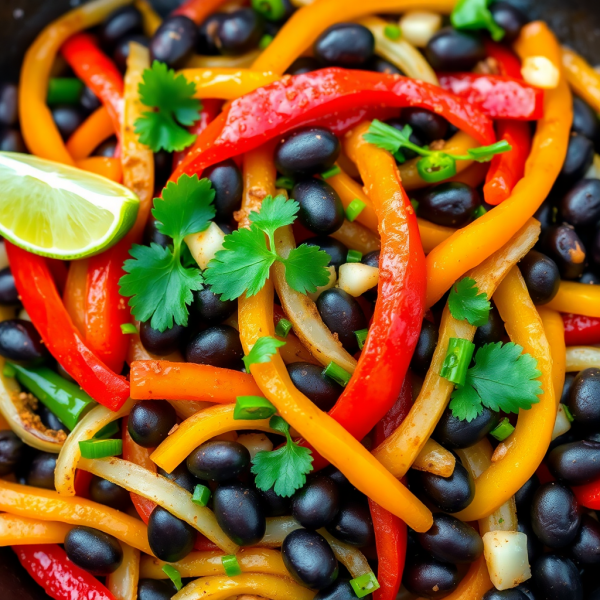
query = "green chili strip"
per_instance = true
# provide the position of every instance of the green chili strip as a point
(64, 90)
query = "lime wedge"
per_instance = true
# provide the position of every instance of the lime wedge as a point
(60, 211)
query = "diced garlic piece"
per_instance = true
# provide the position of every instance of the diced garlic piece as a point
(541, 72)
(332, 279)
(356, 278)
(562, 423)
(419, 26)
(205, 245)
(506, 557)
(255, 443)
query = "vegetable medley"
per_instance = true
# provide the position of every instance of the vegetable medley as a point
(300, 300)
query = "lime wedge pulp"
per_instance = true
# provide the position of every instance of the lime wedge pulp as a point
(59, 211)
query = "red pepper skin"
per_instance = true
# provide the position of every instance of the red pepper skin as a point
(43, 304)
(497, 96)
(581, 330)
(61, 579)
(588, 495)
(267, 112)
(507, 61)
(82, 483)
(197, 10)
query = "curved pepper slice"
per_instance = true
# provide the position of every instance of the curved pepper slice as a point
(588, 495)
(581, 330)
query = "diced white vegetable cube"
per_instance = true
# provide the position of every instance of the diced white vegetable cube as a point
(418, 27)
(356, 278)
(506, 557)
(562, 423)
(541, 72)
(206, 244)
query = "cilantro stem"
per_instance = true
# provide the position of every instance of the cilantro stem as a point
(457, 361)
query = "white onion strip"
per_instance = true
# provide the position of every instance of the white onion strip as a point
(123, 583)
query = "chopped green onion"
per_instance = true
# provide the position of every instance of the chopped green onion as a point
(8, 370)
(457, 361)
(201, 495)
(335, 372)
(252, 408)
(128, 328)
(365, 584)
(283, 327)
(64, 398)
(392, 32)
(354, 256)
(568, 413)
(64, 90)
(100, 448)
(415, 204)
(107, 431)
(354, 209)
(264, 41)
(271, 10)
(361, 337)
(231, 565)
(173, 574)
(503, 430)
(479, 212)
(500, 520)
(286, 183)
(436, 167)
(335, 170)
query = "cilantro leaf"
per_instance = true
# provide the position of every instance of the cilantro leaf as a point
(465, 302)
(503, 379)
(387, 137)
(159, 130)
(262, 351)
(305, 268)
(274, 213)
(474, 15)
(284, 469)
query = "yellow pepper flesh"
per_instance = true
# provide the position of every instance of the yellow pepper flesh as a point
(577, 298)
(582, 77)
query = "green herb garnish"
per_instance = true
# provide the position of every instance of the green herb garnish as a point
(466, 303)
(262, 351)
(474, 15)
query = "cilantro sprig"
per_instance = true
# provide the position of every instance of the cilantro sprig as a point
(435, 165)
(502, 379)
(465, 302)
(473, 15)
(262, 351)
(159, 286)
(243, 264)
(284, 469)
(172, 99)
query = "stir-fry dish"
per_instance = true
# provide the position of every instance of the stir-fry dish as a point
(301, 301)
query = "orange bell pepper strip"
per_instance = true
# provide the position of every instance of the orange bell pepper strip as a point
(97, 128)
(474, 584)
(103, 165)
(579, 298)
(582, 77)
(197, 10)
(467, 247)
(23, 530)
(554, 329)
(162, 380)
(151, 20)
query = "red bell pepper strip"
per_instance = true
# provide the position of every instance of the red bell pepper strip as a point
(43, 304)
(61, 579)
(581, 330)
(497, 96)
(507, 61)
(82, 483)
(267, 112)
(588, 495)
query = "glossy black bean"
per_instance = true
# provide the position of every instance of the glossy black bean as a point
(108, 493)
(273, 504)
(106, 149)
(156, 589)
(585, 120)
(584, 398)
(569, 379)
(509, 594)
(340, 590)
(11, 140)
(343, 315)
(556, 578)
(321, 210)
(425, 123)
(239, 31)
(493, 331)
(449, 204)
(40, 472)
(380, 65)
(8, 290)
(580, 155)
(575, 463)
(50, 420)
(452, 50)
(534, 546)
(524, 496)
(182, 477)
(121, 22)
(309, 559)
(450, 494)
(307, 151)
(510, 18)
(21, 343)
(218, 460)
(206, 41)
(456, 433)
(430, 578)
(12, 450)
(174, 40)
(451, 540)
(345, 45)
(304, 64)
(337, 251)
(210, 309)
(319, 388)
(340, 479)
(150, 421)
(562, 244)
(153, 236)
(428, 339)
(371, 259)
(226, 180)
(121, 52)
(163, 166)
(353, 524)
(93, 550)
(317, 503)
(170, 538)
(9, 103)
(581, 204)
(590, 278)
(240, 514)
(89, 100)
(541, 276)
(218, 346)
(555, 515)
(585, 549)
(67, 119)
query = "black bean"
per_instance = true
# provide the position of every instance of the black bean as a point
(340, 479)
(580, 155)
(585, 549)
(426, 345)
(8, 290)
(380, 65)
(182, 477)
(590, 278)
(371, 259)
(20, 342)
(120, 22)
(307, 151)
(150, 421)
(425, 123)
(321, 210)
(556, 578)
(239, 31)
(524, 495)
(452, 432)
(585, 120)
(309, 559)
(108, 493)
(337, 251)
(343, 315)
(451, 540)
(510, 18)
(170, 538)
(11, 140)
(452, 50)
(581, 204)
(317, 503)
(353, 524)
(89, 100)
(156, 589)
(174, 40)
(493, 331)
(319, 388)
(121, 52)
(218, 460)
(67, 119)
(226, 180)
(575, 463)
(555, 515)
(153, 236)
(273, 504)
(9, 103)
(93, 550)
(106, 149)
(569, 379)
(340, 590)
(210, 308)
(303, 64)
(50, 420)
(163, 166)
(450, 204)
(526, 590)
(430, 578)
(240, 513)
(541, 276)
(161, 342)
(509, 594)
(345, 45)
(41, 470)
(11, 451)
(206, 42)
(584, 398)
(562, 244)
(218, 346)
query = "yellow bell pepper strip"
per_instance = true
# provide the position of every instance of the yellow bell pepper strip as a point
(204, 564)
(222, 587)
(578, 298)
(581, 357)
(357, 236)
(102, 165)
(306, 24)
(468, 246)
(528, 443)
(23, 530)
(40, 133)
(433, 235)
(399, 450)
(243, 61)
(97, 128)
(199, 428)
(151, 20)
(330, 439)
(582, 77)
(227, 83)
(47, 505)
(555, 334)
(474, 584)
(123, 582)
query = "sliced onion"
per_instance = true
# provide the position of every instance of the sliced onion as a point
(435, 459)
(357, 237)
(582, 357)
(123, 582)
(217, 62)
(314, 296)
(562, 423)
(356, 278)
(255, 443)
(419, 26)
(163, 492)
(187, 408)
(204, 245)
(506, 557)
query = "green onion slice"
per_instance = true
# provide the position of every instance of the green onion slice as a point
(335, 170)
(283, 327)
(354, 256)
(100, 448)
(231, 565)
(174, 575)
(201, 495)
(361, 337)
(365, 584)
(502, 430)
(354, 209)
(457, 361)
(335, 372)
(252, 408)
(128, 328)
